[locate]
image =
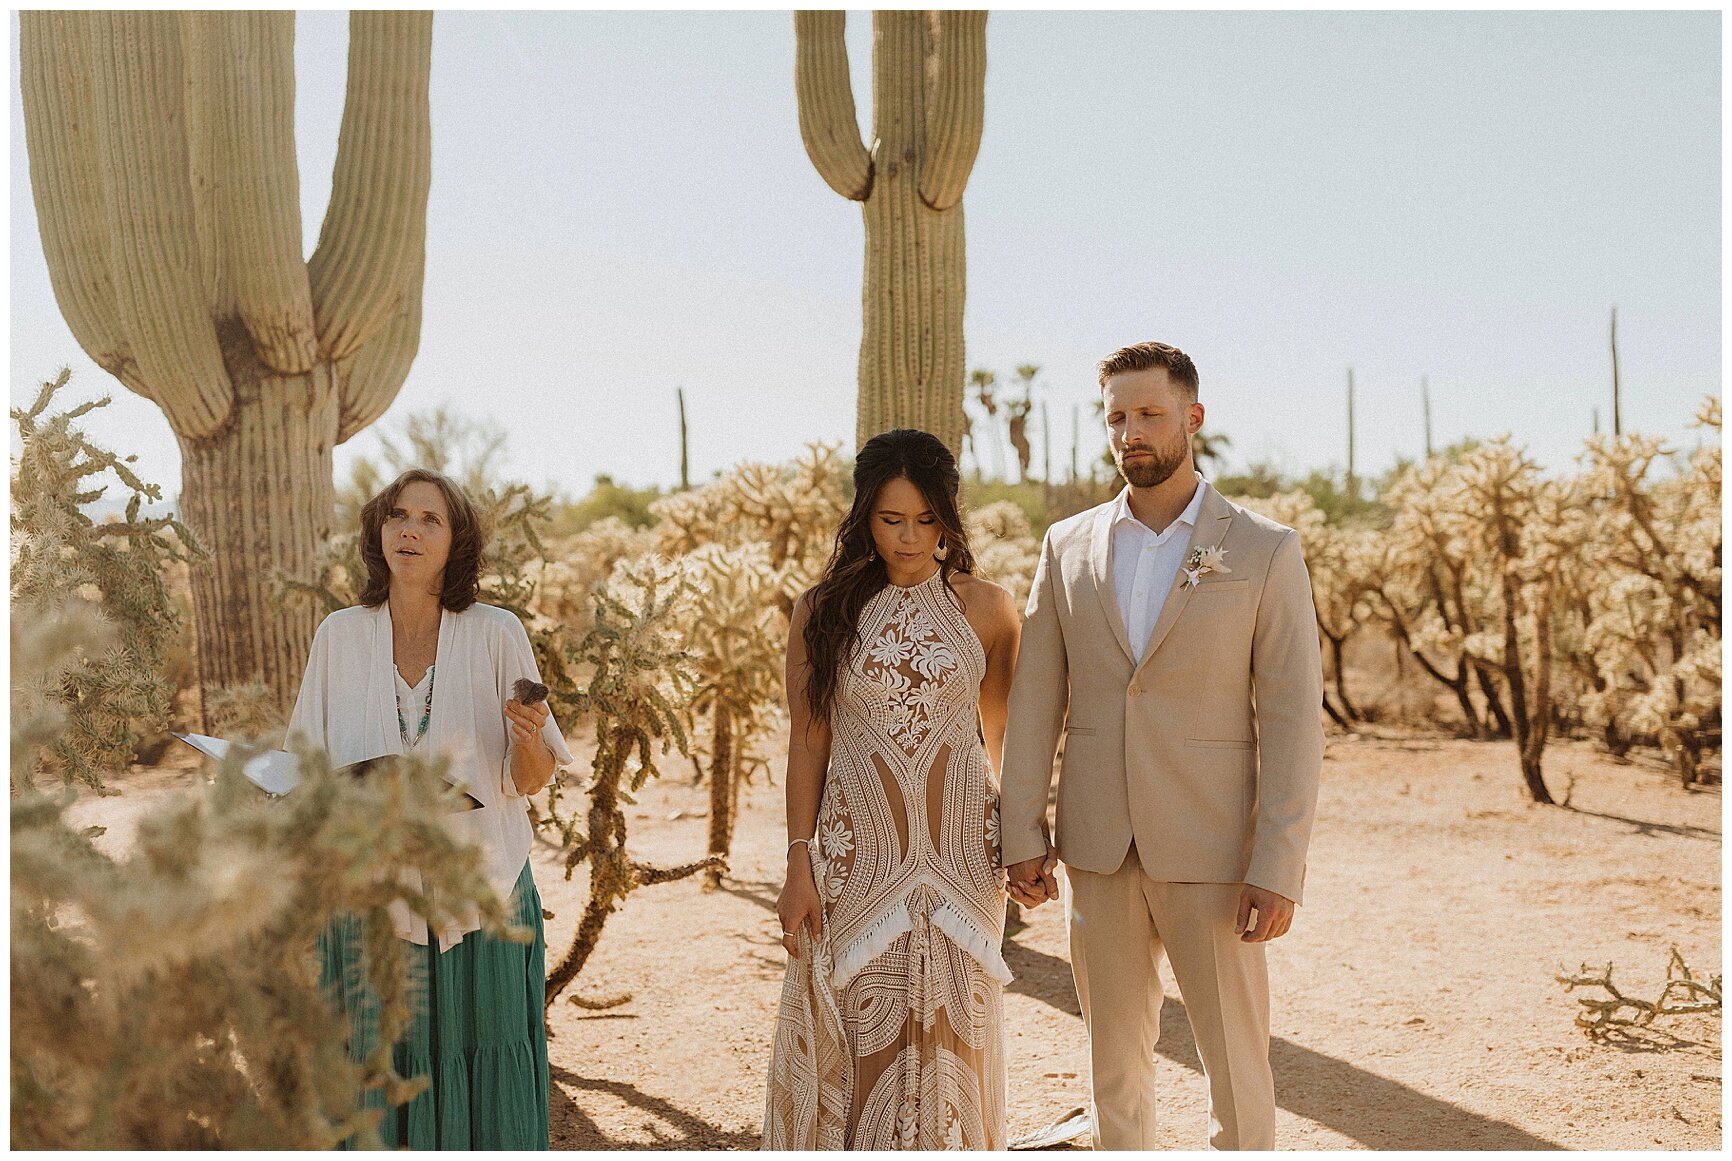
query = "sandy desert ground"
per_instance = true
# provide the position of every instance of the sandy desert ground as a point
(1414, 1000)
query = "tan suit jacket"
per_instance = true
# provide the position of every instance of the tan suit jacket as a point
(1208, 752)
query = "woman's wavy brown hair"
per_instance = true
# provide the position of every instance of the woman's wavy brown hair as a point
(855, 573)
(468, 538)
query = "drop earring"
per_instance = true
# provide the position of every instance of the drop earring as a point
(943, 552)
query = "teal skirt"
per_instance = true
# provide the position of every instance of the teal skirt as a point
(477, 1033)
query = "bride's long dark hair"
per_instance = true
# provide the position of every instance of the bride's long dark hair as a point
(855, 573)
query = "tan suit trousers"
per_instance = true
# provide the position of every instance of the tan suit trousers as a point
(1120, 926)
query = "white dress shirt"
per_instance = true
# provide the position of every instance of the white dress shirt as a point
(1146, 564)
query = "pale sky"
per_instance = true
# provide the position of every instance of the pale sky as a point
(621, 205)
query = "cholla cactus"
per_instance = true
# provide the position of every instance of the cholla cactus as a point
(168, 997)
(575, 565)
(640, 686)
(791, 509)
(1005, 550)
(1341, 560)
(162, 162)
(1526, 538)
(1651, 623)
(735, 636)
(928, 107)
(114, 571)
(1427, 592)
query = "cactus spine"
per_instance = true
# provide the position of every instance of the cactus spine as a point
(162, 161)
(928, 81)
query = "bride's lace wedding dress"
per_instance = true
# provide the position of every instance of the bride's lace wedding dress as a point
(889, 1034)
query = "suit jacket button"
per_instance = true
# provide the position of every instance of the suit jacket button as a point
(1135, 689)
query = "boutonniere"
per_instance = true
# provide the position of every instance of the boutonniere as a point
(1203, 561)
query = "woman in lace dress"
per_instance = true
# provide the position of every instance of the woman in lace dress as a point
(899, 670)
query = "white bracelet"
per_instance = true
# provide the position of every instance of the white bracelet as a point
(797, 842)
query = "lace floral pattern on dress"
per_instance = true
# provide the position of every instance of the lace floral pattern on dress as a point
(907, 864)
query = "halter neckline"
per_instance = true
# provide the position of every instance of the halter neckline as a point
(936, 574)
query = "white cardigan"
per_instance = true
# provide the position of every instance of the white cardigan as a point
(348, 707)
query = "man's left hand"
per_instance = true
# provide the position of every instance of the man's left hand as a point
(1274, 915)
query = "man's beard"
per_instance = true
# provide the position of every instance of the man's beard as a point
(1153, 472)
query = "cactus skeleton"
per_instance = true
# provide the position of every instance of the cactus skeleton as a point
(162, 162)
(928, 81)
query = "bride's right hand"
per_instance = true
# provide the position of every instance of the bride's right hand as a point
(799, 902)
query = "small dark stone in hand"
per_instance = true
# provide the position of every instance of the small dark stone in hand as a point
(529, 692)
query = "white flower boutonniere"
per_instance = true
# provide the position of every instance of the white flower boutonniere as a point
(1203, 561)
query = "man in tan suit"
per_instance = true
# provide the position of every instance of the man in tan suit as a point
(1171, 638)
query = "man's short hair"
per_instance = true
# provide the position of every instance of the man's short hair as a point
(1142, 356)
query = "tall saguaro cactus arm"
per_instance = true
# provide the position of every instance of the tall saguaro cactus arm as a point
(256, 182)
(60, 138)
(153, 241)
(371, 378)
(955, 109)
(828, 123)
(377, 222)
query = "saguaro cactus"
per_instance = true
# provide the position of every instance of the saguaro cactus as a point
(162, 161)
(928, 102)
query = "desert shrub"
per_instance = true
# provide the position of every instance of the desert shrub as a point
(606, 500)
(1341, 559)
(575, 565)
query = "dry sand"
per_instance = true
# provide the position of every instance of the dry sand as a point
(1414, 1005)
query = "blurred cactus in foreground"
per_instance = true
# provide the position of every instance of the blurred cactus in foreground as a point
(165, 996)
(162, 163)
(928, 109)
(114, 694)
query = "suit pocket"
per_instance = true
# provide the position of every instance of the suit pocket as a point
(1221, 743)
(1079, 729)
(1227, 585)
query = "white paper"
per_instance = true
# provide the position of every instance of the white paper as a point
(274, 771)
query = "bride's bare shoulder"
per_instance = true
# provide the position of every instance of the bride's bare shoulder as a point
(984, 600)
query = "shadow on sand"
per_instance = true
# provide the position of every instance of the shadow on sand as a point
(1374, 1111)
(668, 1126)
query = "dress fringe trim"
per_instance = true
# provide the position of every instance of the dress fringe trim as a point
(870, 944)
(973, 941)
(899, 921)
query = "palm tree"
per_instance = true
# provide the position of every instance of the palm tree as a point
(1207, 447)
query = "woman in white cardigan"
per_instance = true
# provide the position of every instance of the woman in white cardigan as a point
(420, 665)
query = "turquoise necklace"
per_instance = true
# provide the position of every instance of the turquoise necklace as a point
(426, 716)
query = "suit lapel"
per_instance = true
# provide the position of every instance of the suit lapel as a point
(1213, 520)
(1101, 563)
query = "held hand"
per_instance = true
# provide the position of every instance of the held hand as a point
(799, 901)
(1034, 881)
(525, 721)
(1274, 915)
